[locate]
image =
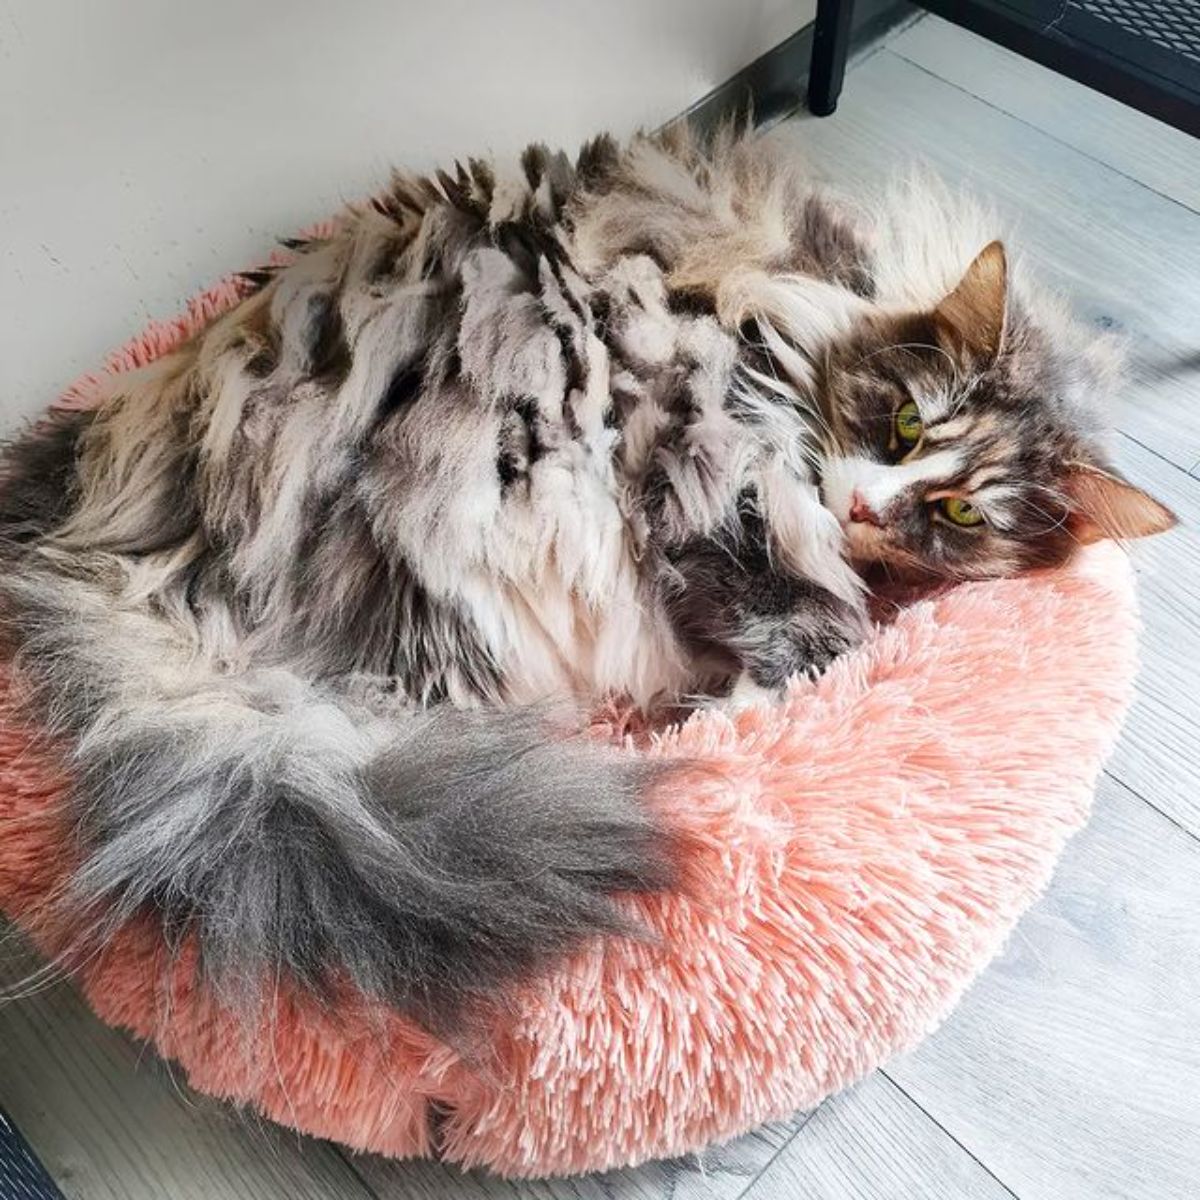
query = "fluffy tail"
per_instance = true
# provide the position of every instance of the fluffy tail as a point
(430, 858)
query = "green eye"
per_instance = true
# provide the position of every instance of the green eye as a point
(960, 511)
(908, 424)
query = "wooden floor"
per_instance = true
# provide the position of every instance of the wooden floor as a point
(1072, 1068)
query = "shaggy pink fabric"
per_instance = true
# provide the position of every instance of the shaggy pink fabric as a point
(860, 853)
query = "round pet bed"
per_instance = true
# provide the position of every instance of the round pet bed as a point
(860, 852)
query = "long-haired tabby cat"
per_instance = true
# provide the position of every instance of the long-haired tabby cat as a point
(637, 425)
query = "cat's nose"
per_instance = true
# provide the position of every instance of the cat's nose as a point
(862, 512)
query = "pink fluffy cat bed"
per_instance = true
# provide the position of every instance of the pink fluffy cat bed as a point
(860, 852)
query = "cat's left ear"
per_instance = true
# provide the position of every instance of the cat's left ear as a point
(972, 318)
(1103, 505)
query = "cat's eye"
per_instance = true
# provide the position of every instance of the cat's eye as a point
(959, 511)
(908, 424)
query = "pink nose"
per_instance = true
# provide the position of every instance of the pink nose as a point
(862, 512)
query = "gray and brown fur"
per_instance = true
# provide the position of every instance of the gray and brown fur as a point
(295, 594)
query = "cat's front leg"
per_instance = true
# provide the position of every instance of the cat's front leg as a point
(731, 607)
(792, 628)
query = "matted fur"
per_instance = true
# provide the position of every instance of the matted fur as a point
(292, 593)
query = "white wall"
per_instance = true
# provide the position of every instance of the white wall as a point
(148, 146)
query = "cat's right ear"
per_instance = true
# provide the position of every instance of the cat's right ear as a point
(971, 320)
(1104, 505)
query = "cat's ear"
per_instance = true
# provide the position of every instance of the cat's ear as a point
(972, 318)
(1103, 505)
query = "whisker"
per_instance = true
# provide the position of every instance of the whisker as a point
(911, 346)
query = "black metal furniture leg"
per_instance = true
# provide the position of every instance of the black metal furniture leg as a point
(831, 42)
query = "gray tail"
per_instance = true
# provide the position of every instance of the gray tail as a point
(431, 866)
(433, 859)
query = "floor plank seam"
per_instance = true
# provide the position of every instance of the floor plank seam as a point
(808, 1116)
(1040, 129)
(892, 35)
(1171, 820)
(348, 1156)
(860, 57)
(962, 1146)
(1187, 473)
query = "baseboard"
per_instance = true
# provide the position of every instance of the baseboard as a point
(774, 85)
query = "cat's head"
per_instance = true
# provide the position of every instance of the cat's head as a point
(961, 444)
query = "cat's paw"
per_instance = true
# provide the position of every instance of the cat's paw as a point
(823, 655)
(747, 694)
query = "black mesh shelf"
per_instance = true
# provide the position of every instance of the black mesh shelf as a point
(1173, 25)
(1145, 53)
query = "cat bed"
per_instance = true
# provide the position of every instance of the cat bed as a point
(859, 852)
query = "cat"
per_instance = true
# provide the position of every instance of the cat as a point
(296, 596)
